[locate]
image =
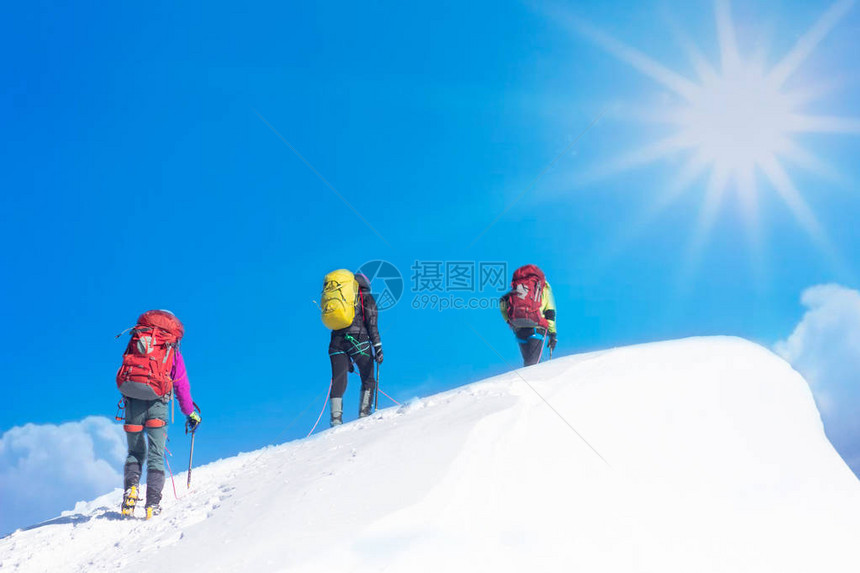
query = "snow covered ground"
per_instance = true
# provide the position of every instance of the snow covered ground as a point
(696, 455)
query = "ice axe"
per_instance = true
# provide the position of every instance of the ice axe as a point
(191, 453)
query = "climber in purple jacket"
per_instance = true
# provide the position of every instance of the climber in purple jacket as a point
(152, 370)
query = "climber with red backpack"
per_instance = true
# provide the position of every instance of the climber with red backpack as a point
(152, 371)
(529, 310)
(349, 310)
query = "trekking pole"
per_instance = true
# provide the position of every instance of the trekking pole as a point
(376, 390)
(191, 453)
(190, 457)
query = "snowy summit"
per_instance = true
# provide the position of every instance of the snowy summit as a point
(696, 455)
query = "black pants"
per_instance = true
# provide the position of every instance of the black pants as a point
(531, 341)
(341, 351)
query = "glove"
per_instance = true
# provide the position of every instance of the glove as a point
(378, 354)
(551, 341)
(192, 421)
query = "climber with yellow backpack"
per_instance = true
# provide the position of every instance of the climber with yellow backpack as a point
(350, 312)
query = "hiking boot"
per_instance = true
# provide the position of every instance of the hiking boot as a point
(129, 500)
(152, 510)
(336, 411)
(366, 404)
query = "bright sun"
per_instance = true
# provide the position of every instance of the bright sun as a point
(737, 121)
(734, 121)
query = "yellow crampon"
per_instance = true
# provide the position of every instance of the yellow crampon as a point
(129, 500)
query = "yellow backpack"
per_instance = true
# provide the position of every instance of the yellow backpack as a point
(338, 299)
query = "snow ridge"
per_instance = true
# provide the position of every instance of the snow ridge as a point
(712, 457)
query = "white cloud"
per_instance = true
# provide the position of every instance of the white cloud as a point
(45, 469)
(825, 348)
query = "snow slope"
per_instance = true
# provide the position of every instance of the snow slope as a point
(702, 454)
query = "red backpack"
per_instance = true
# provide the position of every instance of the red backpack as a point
(526, 298)
(148, 359)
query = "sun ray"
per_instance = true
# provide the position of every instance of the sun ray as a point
(645, 156)
(808, 42)
(748, 198)
(643, 113)
(804, 215)
(806, 94)
(729, 55)
(780, 180)
(633, 57)
(747, 190)
(749, 206)
(689, 173)
(801, 157)
(706, 72)
(717, 183)
(693, 168)
(798, 123)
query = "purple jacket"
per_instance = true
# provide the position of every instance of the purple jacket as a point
(181, 386)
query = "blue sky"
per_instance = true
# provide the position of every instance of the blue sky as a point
(144, 165)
